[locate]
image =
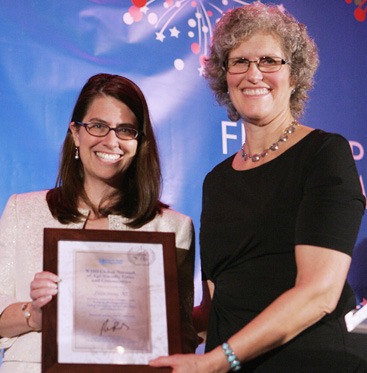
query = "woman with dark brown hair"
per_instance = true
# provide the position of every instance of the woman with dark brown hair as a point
(109, 178)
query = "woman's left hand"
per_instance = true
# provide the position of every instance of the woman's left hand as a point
(191, 363)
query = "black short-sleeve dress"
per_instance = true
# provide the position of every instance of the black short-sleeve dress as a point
(251, 221)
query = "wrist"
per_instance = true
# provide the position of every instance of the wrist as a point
(216, 361)
(27, 314)
(231, 357)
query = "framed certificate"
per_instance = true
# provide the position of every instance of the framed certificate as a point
(118, 304)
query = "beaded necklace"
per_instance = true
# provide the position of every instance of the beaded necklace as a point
(275, 146)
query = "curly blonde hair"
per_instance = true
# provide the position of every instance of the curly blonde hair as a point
(238, 25)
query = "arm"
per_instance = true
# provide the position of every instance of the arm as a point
(321, 276)
(12, 318)
(13, 321)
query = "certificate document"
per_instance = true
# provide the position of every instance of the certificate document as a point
(111, 302)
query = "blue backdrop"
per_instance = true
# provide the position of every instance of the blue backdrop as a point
(49, 48)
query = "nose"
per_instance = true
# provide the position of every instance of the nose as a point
(254, 75)
(111, 140)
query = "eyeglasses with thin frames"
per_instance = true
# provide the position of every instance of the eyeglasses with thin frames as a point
(240, 65)
(101, 130)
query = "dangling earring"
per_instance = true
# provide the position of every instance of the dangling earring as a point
(76, 153)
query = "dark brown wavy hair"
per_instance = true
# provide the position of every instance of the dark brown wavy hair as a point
(137, 198)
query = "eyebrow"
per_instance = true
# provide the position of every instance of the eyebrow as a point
(132, 125)
(263, 55)
(97, 120)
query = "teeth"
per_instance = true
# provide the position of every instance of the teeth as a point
(109, 157)
(255, 92)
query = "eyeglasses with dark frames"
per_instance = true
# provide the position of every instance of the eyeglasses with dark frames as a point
(240, 65)
(101, 130)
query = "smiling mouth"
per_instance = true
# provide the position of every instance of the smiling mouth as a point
(108, 156)
(255, 91)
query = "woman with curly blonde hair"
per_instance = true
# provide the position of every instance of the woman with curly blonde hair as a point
(280, 217)
(300, 50)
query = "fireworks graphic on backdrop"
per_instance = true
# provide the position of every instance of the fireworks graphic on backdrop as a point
(162, 18)
(360, 12)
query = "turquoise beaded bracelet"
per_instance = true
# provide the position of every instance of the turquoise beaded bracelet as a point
(231, 357)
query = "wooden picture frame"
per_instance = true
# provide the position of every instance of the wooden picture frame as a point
(145, 252)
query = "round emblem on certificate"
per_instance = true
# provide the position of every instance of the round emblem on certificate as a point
(142, 256)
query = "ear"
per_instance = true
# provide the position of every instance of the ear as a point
(75, 132)
(292, 84)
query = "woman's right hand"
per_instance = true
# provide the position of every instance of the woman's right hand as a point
(13, 321)
(43, 288)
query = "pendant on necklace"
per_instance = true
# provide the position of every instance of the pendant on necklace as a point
(275, 146)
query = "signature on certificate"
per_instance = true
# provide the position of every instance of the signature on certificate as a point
(113, 326)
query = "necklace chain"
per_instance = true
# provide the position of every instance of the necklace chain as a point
(275, 146)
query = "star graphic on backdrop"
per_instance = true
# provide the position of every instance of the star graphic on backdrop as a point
(174, 32)
(199, 17)
(144, 9)
(160, 36)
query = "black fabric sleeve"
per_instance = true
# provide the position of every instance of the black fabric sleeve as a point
(332, 204)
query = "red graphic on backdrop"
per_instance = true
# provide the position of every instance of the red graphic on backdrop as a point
(139, 3)
(202, 15)
(359, 13)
